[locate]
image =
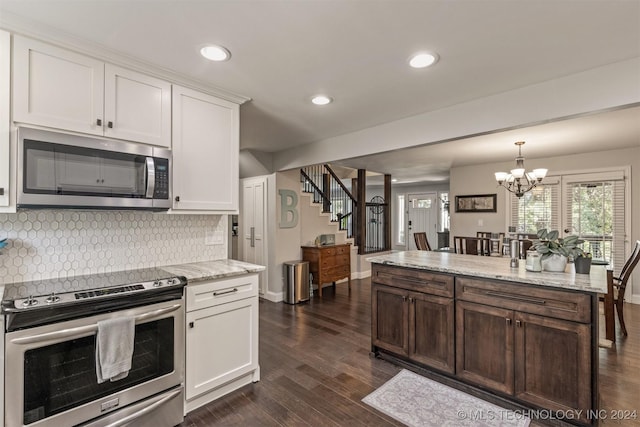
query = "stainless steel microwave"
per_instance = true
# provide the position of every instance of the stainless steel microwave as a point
(57, 170)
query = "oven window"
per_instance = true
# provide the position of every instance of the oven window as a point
(62, 376)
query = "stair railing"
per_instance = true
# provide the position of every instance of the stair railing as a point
(336, 199)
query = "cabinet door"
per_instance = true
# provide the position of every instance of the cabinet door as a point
(484, 345)
(389, 322)
(57, 88)
(253, 215)
(5, 73)
(431, 331)
(205, 152)
(137, 107)
(544, 345)
(221, 345)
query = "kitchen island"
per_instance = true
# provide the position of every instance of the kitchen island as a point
(522, 339)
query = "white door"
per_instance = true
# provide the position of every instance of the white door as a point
(253, 214)
(422, 216)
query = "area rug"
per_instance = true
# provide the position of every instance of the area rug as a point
(420, 402)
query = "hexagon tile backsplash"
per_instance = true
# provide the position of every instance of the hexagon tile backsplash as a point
(45, 244)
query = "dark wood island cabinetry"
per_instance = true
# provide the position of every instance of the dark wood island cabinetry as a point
(530, 339)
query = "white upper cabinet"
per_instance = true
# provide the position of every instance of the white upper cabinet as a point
(57, 88)
(5, 90)
(205, 152)
(136, 107)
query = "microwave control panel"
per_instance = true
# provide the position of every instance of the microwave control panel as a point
(161, 190)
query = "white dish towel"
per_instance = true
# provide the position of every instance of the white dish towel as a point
(114, 348)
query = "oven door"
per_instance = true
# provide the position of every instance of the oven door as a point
(51, 369)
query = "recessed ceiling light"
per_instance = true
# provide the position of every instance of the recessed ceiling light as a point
(423, 60)
(215, 53)
(321, 100)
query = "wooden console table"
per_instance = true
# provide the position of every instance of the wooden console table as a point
(328, 263)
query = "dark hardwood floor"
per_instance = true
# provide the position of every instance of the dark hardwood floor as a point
(315, 368)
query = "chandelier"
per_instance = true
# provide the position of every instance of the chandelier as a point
(518, 181)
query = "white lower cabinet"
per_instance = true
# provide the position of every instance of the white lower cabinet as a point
(221, 338)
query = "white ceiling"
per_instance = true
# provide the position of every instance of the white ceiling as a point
(356, 51)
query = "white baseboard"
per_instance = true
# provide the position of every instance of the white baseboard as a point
(361, 274)
(633, 299)
(273, 296)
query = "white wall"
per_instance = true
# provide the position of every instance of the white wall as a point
(479, 179)
(254, 163)
(286, 242)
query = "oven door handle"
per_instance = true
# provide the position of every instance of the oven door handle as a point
(88, 329)
(126, 420)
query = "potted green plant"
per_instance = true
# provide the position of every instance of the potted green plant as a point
(583, 263)
(555, 250)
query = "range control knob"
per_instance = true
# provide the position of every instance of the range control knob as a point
(30, 302)
(157, 283)
(52, 298)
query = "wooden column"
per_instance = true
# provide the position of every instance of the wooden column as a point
(362, 210)
(326, 189)
(387, 212)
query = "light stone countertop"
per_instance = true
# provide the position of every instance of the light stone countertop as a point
(210, 270)
(496, 268)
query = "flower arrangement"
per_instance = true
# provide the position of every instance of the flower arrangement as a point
(549, 243)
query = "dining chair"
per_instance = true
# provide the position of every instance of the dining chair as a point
(620, 284)
(422, 244)
(471, 245)
(496, 242)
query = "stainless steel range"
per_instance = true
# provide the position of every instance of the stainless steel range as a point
(50, 349)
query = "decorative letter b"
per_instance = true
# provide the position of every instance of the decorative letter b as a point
(288, 212)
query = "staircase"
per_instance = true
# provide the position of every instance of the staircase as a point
(325, 187)
(364, 222)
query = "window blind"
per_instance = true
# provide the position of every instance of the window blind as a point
(537, 209)
(595, 211)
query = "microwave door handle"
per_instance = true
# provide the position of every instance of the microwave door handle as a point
(151, 178)
(88, 329)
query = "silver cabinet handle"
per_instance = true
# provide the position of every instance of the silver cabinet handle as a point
(99, 122)
(110, 125)
(253, 237)
(89, 329)
(215, 294)
(126, 420)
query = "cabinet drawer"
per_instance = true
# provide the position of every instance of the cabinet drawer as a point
(327, 252)
(336, 273)
(528, 299)
(414, 280)
(343, 250)
(216, 292)
(336, 260)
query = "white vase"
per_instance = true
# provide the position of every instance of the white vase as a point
(555, 263)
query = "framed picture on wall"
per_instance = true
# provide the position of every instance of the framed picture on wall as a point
(476, 203)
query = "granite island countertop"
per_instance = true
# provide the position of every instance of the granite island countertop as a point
(210, 270)
(496, 268)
